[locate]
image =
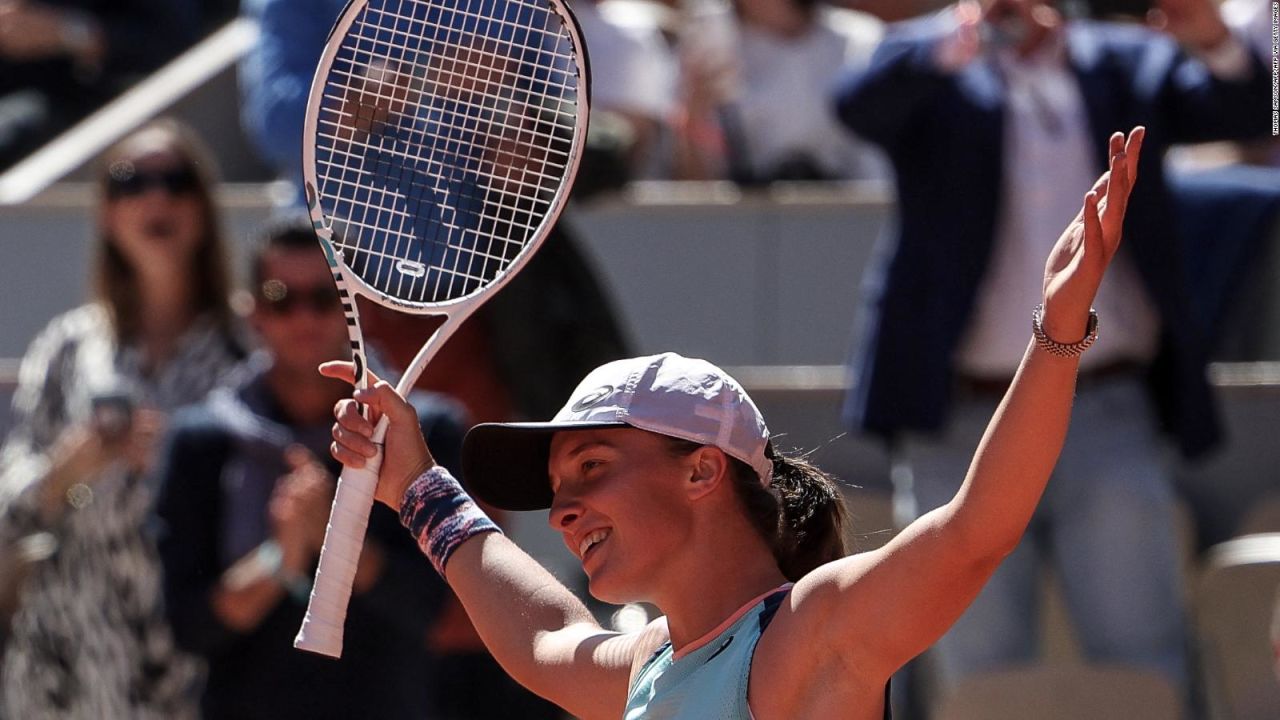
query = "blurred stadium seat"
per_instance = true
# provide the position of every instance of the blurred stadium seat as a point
(1236, 600)
(1069, 692)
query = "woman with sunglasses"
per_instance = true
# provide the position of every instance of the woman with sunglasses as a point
(660, 475)
(87, 638)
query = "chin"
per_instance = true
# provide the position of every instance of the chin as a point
(601, 589)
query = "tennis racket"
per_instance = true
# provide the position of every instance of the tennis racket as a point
(441, 140)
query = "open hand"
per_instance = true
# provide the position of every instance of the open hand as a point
(1078, 260)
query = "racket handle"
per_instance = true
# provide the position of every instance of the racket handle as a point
(321, 630)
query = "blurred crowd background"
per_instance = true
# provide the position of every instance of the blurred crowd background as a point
(847, 204)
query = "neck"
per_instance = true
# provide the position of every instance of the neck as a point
(164, 309)
(1044, 23)
(693, 609)
(777, 17)
(306, 397)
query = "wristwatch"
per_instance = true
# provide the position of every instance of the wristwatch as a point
(271, 559)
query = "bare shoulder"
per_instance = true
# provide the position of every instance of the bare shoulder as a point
(805, 665)
(647, 642)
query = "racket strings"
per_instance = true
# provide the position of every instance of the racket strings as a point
(440, 145)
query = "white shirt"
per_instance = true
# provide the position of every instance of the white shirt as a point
(1251, 21)
(632, 69)
(1049, 164)
(785, 87)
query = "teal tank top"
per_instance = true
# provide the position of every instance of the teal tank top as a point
(709, 682)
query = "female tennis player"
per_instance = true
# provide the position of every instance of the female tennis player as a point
(660, 476)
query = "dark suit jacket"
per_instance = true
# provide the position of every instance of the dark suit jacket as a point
(944, 134)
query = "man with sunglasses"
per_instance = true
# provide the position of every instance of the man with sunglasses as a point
(246, 489)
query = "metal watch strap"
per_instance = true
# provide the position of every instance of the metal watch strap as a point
(1053, 347)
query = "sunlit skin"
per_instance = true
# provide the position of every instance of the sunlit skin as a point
(846, 626)
(653, 505)
(622, 482)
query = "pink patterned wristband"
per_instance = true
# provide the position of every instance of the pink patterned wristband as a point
(441, 515)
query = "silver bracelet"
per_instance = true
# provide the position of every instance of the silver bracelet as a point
(1053, 347)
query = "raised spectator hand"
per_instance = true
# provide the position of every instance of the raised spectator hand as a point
(140, 448)
(962, 46)
(300, 508)
(1078, 260)
(1196, 24)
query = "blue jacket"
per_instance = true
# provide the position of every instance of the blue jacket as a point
(944, 134)
(228, 446)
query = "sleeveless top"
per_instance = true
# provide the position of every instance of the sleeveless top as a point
(707, 681)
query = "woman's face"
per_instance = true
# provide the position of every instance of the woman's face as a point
(621, 505)
(153, 209)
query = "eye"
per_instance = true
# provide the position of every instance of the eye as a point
(589, 465)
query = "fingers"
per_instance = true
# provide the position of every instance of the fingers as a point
(1092, 224)
(352, 435)
(383, 399)
(345, 371)
(1133, 150)
(1117, 196)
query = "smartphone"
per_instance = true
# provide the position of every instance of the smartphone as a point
(112, 415)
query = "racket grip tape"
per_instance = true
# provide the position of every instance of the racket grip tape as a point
(322, 627)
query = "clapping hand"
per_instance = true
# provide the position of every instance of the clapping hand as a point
(1078, 260)
(300, 508)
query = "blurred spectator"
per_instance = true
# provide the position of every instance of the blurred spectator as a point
(275, 78)
(991, 114)
(1252, 20)
(61, 59)
(89, 637)
(757, 81)
(246, 485)
(633, 75)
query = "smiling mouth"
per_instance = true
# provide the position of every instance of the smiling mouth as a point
(591, 541)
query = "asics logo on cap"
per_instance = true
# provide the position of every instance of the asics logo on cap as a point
(595, 397)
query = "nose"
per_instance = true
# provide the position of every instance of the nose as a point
(565, 511)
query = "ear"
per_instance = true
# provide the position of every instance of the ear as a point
(709, 470)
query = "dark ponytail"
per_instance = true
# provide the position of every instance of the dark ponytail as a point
(812, 512)
(802, 514)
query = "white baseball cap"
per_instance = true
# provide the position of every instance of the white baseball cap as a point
(505, 464)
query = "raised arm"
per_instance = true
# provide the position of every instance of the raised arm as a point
(907, 76)
(540, 633)
(882, 608)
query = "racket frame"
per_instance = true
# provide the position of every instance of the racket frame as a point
(455, 310)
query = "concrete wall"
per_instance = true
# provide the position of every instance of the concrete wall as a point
(747, 280)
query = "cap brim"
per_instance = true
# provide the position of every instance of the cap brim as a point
(505, 464)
